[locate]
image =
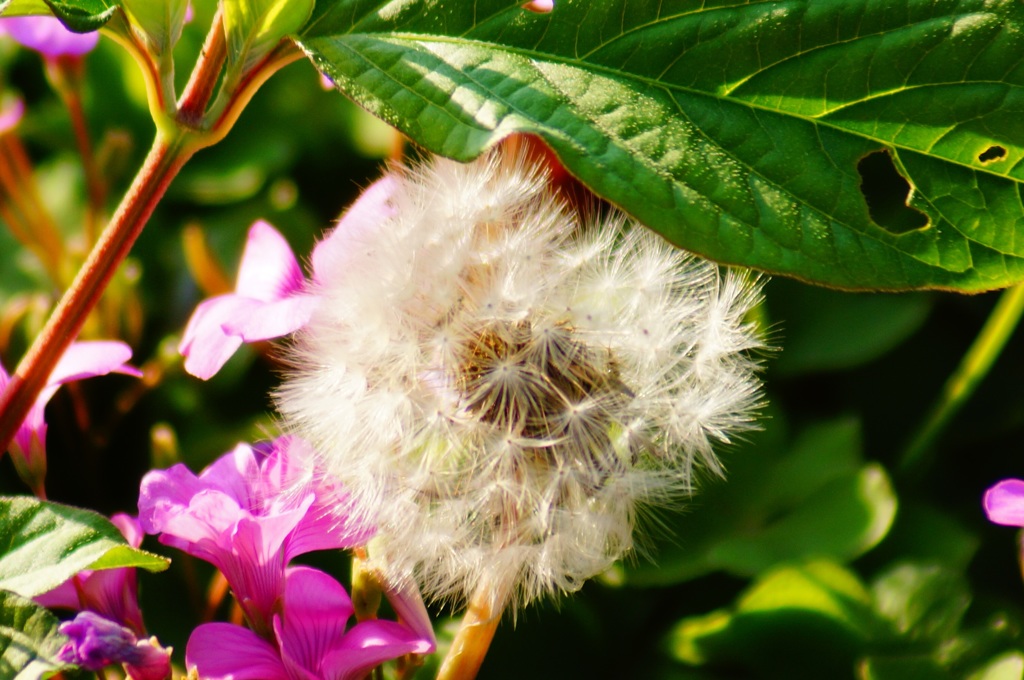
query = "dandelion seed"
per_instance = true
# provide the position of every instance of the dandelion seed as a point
(502, 389)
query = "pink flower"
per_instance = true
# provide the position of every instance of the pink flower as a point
(112, 593)
(272, 297)
(81, 360)
(1004, 503)
(269, 301)
(47, 35)
(249, 514)
(310, 640)
(96, 642)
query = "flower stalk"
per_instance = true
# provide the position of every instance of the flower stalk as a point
(479, 624)
(165, 159)
(965, 379)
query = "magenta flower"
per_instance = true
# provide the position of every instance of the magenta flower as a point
(47, 35)
(310, 640)
(112, 593)
(272, 298)
(249, 514)
(81, 360)
(96, 642)
(1004, 503)
(269, 301)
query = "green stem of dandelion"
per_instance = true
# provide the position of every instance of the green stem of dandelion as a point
(965, 379)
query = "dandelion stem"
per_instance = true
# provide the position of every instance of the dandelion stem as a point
(959, 387)
(475, 634)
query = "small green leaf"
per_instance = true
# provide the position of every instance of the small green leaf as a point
(800, 621)
(738, 130)
(29, 640)
(45, 544)
(844, 519)
(159, 20)
(822, 501)
(80, 16)
(924, 602)
(254, 27)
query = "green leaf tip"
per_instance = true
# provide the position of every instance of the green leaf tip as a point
(45, 543)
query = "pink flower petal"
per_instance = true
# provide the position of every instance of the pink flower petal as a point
(221, 651)
(46, 35)
(268, 320)
(268, 271)
(205, 345)
(369, 644)
(332, 255)
(408, 605)
(316, 611)
(91, 358)
(1004, 503)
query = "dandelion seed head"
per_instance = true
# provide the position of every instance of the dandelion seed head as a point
(502, 389)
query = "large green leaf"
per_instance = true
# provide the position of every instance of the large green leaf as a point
(739, 130)
(29, 640)
(44, 544)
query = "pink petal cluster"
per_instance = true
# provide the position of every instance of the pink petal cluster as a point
(47, 35)
(112, 593)
(272, 298)
(311, 641)
(249, 514)
(81, 360)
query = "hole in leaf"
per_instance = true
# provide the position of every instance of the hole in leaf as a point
(992, 153)
(886, 192)
(540, 6)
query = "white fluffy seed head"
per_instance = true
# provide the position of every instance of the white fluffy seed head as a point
(502, 388)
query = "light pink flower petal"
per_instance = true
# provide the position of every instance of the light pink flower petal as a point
(205, 345)
(332, 255)
(237, 474)
(268, 271)
(369, 644)
(48, 36)
(88, 359)
(208, 517)
(408, 605)
(165, 493)
(221, 651)
(267, 320)
(129, 527)
(1004, 503)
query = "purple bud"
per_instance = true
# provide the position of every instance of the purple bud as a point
(96, 642)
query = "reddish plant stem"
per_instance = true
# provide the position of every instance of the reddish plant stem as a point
(193, 101)
(164, 161)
